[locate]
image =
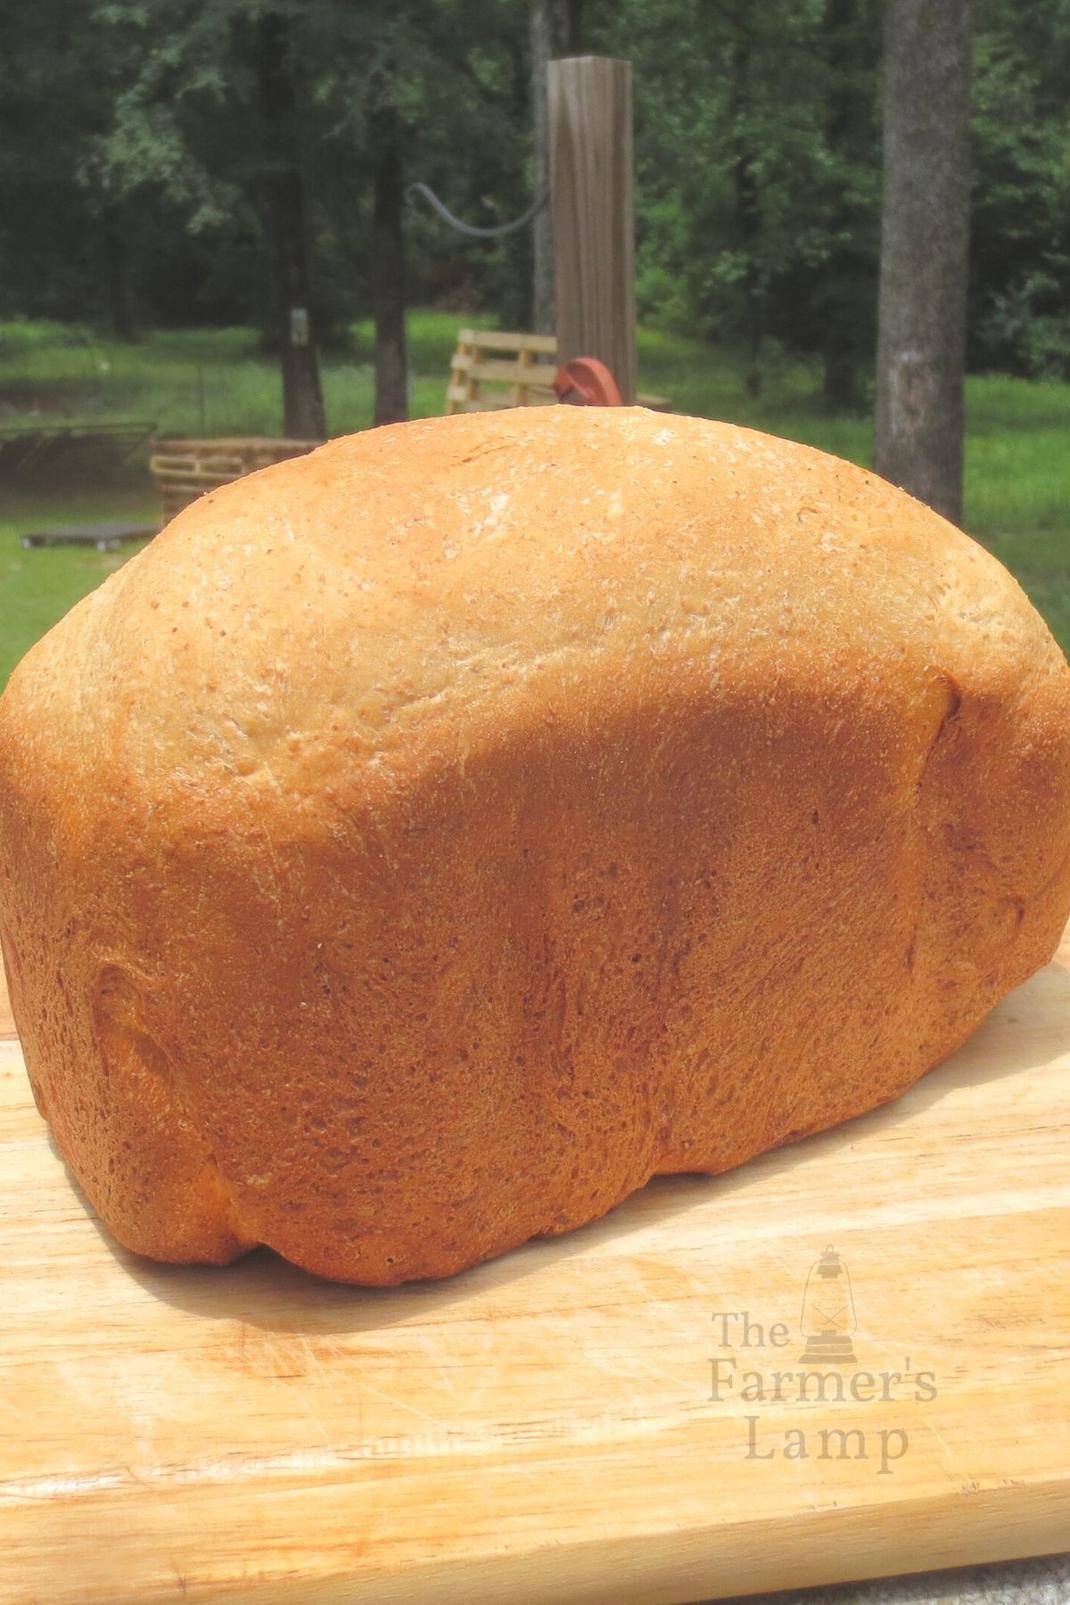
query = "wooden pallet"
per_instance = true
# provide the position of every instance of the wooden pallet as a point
(26, 446)
(106, 537)
(186, 469)
(518, 368)
(493, 368)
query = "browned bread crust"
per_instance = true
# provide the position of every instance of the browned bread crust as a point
(425, 842)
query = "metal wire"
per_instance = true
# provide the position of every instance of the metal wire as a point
(471, 229)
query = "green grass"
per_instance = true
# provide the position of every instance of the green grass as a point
(200, 381)
(38, 586)
(217, 382)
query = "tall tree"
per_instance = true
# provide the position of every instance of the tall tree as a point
(1020, 222)
(740, 199)
(418, 90)
(214, 118)
(845, 299)
(285, 208)
(68, 245)
(388, 269)
(747, 215)
(554, 31)
(921, 346)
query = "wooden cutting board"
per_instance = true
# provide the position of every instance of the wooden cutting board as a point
(545, 1428)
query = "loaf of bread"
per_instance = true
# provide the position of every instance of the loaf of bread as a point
(423, 843)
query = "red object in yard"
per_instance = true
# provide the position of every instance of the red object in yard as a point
(586, 382)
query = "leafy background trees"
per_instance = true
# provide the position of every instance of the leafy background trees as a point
(217, 161)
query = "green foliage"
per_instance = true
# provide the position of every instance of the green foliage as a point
(133, 159)
(757, 170)
(1020, 314)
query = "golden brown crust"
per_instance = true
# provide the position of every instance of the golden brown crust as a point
(423, 843)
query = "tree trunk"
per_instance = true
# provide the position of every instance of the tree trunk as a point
(542, 273)
(845, 306)
(302, 395)
(921, 344)
(748, 222)
(388, 274)
(117, 276)
(554, 31)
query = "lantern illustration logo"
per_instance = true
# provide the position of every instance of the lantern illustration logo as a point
(828, 1313)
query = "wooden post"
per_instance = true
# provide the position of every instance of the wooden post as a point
(590, 104)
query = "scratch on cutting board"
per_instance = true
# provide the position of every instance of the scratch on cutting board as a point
(304, 1396)
(319, 1462)
(299, 1359)
(948, 1457)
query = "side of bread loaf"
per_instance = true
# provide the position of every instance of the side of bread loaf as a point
(422, 844)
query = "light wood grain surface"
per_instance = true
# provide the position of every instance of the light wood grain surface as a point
(543, 1429)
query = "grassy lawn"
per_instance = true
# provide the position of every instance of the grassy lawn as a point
(38, 586)
(216, 382)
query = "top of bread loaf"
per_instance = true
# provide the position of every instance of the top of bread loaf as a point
(345, 599)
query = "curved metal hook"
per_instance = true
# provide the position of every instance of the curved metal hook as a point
(471, 229)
